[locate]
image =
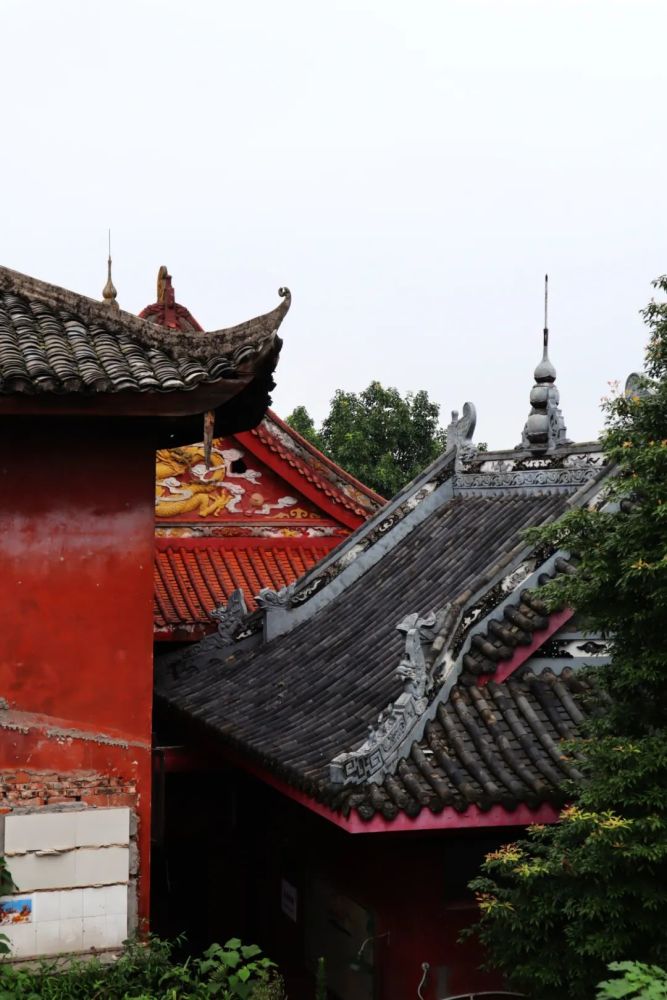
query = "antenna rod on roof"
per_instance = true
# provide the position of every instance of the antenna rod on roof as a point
(546, 310)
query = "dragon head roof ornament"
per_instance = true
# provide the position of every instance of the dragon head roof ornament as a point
(545, 428)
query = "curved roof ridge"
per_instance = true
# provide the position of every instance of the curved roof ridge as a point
(337, 470)
(253, 334)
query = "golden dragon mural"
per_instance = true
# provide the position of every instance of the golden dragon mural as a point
(188, 487)
(185, 485)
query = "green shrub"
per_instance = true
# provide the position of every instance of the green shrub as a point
(637, 982)
(147, 971)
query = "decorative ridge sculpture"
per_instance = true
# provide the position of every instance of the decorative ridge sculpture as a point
(460, 433)
(379, 752)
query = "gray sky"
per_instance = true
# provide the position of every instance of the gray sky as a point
(410, 168)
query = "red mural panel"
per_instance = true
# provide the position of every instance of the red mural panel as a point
(236, 488)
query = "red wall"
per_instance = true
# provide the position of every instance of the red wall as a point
(412, 885)
(76, 578)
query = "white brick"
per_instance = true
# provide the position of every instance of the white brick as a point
(71, 903)
(102, 827)
(95, 933)
(71, 934)
(50, 871)
(46, 906)
(116, 929)
(117, 899)
(101, 866)
(48, 937)
(22, 939)
(95, 902)
(40, 831)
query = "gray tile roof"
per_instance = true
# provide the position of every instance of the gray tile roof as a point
(54, 341)
(492, 745)
(294, 703)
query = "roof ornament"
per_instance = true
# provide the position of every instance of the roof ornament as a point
(545, 428)
(459, 435)
(209, 431)
(166, 297)
(229, 617)
(380, 750)
(413, 669)
(109, 292)
(636, 386)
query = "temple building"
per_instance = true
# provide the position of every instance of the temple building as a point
(87, 394)
(353, 700)
(366, 734)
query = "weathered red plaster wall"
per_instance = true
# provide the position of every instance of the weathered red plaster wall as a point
(406, 882)
(412, 885)
(76, 577)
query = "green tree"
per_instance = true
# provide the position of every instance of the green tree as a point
(301, 421)
(381, 437)
(556, 907)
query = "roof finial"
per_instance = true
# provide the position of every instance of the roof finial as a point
(545, 427)
(109, 292)
(162, 276)
(546, 308)
(166, 298)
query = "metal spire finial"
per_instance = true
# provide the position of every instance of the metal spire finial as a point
(109, 292)
(545, 427)
(545, 371)
(546, 310)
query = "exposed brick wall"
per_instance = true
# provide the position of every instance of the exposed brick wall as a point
(26, 789)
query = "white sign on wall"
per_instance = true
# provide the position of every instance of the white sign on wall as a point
(289, 898)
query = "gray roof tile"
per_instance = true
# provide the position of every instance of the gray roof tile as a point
(295, 703)
(53, 341)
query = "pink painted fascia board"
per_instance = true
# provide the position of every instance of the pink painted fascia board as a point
(523, 653)
(448, 819)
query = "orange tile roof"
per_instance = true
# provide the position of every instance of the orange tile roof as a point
(195, 575)
(315, 467)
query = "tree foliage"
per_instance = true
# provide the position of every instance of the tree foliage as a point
(636, 981)
(381, 437)
(556, 907)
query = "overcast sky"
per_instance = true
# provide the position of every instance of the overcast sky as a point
(410, 168)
